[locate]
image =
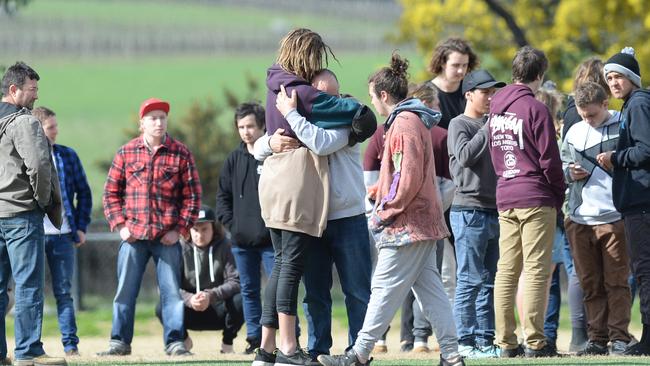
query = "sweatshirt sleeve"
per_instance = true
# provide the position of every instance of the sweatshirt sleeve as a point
(466, 148)
(406, 152)
(549, 154)
(637, 155)
(224, 193)
(320, 141)
(230, 285)
(567, 158)
(262, 149)
(329, 111)
(32, 146)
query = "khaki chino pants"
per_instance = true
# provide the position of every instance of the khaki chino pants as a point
(525, 243)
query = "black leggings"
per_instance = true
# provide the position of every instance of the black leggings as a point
(281, 293)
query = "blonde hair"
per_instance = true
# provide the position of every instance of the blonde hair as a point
(302, 52)
(426, 92)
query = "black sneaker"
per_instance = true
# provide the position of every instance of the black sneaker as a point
(512, 352)
(253, 344)
(263, 358)
(406, 346)
(593, 349)
(347, 359)
(116, 348)
(546, 351)
(639, 349)
(454, 361)
(300, 357)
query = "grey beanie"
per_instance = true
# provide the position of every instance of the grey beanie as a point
(624, 63)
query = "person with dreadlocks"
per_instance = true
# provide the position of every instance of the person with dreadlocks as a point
(294, 188)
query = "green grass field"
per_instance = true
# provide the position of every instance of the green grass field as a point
(97, 97)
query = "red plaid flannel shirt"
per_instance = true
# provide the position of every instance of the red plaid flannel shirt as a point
(152, 193)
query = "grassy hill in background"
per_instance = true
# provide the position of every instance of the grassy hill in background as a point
(96, 96)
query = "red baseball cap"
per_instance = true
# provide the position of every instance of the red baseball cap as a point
(153, 104)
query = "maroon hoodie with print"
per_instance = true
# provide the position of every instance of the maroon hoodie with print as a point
(524, 151)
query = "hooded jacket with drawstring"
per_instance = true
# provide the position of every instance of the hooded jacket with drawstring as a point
(27, 176)
(213, 266)
(631, 160)
(524, 151)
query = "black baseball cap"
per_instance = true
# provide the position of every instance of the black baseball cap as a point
(206, 214)
(480, 79)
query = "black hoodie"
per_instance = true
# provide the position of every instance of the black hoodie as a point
(631, 160)
(238, 203)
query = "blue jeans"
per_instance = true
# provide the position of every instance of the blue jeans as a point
(477, 254)
(132, 260)
(59, 252)
(22, 255)
(552, 317)
(346, 244)
(248, 261)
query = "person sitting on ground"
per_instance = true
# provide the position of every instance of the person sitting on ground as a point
(209, 282)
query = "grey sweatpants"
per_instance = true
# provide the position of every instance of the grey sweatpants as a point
(398, 270)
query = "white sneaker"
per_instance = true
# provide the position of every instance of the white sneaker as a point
(227, 348)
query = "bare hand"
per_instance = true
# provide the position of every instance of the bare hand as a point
(605, 160)
(280, 143)
(577, 172)
(125, 234)
(284, 103)
(170, 238)
(82, 239)
(200, 301)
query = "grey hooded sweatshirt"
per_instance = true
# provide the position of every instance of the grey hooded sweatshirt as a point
(27, 176)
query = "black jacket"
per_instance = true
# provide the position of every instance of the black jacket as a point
(238, 203)
(631, 184)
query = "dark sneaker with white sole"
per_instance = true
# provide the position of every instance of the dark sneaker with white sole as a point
(593, 349)
(116, 348)
(348, 359)
(639, 349)
(300, 357)
(618, 347)
(512, 352)
(452, 361)
(263, 358)
(546, 351)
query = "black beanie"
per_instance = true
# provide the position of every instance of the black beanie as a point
(624, 63)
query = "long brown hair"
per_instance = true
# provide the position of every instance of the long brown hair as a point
(590, 69)
(302, 52)
(445, 48)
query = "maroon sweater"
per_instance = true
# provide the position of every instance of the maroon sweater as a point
(375, 148)
(524, 151)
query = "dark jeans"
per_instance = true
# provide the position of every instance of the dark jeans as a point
(59, 252)
(345, 243)
(281, 293)
(552, 317)
(227, 315)
(249, 261)
(637, 235)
